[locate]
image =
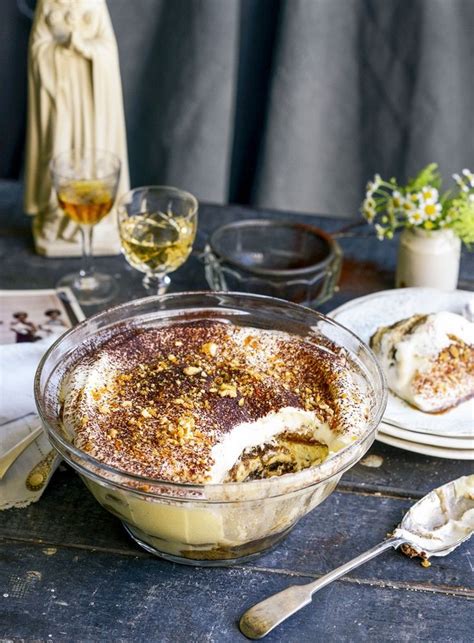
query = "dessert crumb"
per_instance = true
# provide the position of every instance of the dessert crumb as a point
(372, 461)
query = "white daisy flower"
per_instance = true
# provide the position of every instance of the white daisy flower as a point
(469, 176)
(373, 186)
(397, 200)
(380, 232)
(415, 197)
(429, 194)
(368, 209)
(416, 217)
(431, 210)
(370, 202)
(460, 183)
(369, 215)
(408, 205)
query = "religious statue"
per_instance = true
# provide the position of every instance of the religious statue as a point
(74, 102)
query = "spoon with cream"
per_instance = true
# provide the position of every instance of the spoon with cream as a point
(434, 526)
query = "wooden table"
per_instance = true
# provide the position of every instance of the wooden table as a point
(68, 571)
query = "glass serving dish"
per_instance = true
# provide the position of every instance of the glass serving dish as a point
(293, 261)
(208, 524)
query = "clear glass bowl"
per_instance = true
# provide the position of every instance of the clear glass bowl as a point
(214, 524)
(293, 261)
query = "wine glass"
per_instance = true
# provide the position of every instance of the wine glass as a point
(86, 184)
(157, 226)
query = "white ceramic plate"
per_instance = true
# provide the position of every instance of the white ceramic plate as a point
(364, 315)
(428, 438)
(424, 449)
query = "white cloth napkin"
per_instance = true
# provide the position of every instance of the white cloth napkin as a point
(18, 363)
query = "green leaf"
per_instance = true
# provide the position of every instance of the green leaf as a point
(463, 224)
(427, 176)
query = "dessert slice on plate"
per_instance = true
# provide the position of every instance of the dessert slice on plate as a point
(428, 360)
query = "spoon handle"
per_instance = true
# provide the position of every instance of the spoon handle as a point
(8, 458)
(260, 619)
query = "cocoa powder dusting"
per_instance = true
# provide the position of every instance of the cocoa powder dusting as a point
(170, 393)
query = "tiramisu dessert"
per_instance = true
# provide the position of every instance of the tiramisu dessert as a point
(211, 402)
(428, 359)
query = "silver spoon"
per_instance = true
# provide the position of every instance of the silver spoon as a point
(11, 456)
(434, 526)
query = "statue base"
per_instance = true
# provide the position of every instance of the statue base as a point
(60, 248)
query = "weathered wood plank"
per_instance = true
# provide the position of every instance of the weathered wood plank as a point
(343, 526)
(82, 595)
(404, 473)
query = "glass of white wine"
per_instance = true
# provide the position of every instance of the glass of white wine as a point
(157, 227)
(86, 185)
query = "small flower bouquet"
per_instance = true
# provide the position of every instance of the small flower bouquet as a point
(420, 204)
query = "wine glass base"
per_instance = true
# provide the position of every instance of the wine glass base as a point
(95, 289)
(156, 284)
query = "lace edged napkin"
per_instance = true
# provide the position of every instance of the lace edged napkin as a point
(28, 476)
(51, 313)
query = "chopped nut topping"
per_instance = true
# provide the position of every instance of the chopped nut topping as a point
(227, 390)
(454, 351)
(210, 348)
(187, 422)
(177, 399)
(192, 370)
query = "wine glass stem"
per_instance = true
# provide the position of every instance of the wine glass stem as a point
(156, 284)
(87, 268)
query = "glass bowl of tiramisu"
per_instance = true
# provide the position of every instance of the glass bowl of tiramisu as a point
(210, 423)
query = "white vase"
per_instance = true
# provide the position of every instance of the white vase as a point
(428, 258)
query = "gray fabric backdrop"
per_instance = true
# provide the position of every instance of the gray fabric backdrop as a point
(283, 103)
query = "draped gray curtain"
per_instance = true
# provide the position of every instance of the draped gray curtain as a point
(290, 104)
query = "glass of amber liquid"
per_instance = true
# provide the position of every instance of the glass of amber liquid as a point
(86, 185)
(157, 226)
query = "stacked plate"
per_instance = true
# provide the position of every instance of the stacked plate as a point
(445, 435)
